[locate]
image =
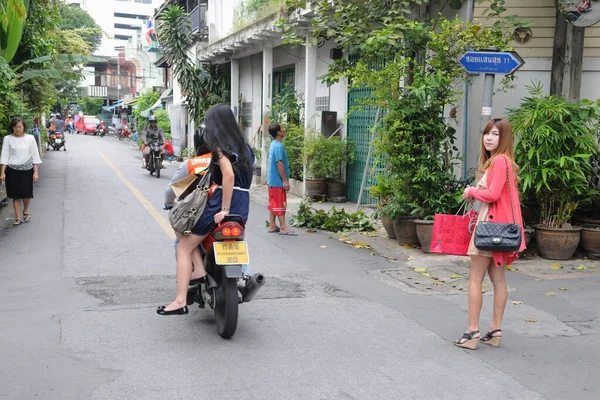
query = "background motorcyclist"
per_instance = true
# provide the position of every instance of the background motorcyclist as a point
(150, 134)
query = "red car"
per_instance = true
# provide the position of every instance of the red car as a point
(91, 124)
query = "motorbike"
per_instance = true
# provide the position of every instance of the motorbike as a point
(125, 133)
(225, 286)
(101, 130)
(154, 162)
(56, 140)
(112, 131)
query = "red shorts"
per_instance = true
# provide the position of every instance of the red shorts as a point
(277, 200)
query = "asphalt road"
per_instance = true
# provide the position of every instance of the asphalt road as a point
(79, 286)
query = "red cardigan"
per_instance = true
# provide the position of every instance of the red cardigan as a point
(500, 208)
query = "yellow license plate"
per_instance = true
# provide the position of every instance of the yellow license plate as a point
(231, 253)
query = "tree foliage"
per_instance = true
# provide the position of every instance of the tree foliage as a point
(201, 88)
(90, 105)
(78, 22)
(145, 101)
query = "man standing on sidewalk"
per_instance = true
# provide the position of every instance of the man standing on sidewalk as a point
(278, 181)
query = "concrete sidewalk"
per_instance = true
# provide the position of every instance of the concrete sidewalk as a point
(417, 272)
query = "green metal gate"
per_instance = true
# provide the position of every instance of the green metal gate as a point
(360, 126)
(360, 129)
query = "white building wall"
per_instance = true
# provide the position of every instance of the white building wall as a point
(103, 12)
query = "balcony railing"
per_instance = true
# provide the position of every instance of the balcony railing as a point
(198, 19)
(96, 91)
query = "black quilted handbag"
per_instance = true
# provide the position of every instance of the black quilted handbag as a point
(497, 237)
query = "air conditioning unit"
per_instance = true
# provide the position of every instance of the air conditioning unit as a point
(326, 122)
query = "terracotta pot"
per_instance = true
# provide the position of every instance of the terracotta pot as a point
(590, 239)
(585, 221)
(388, 224)
(424, 232)
(557, 244)
(336, 189)
(316, 188)
(406, 230)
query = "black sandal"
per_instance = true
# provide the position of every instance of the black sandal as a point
(17, 222)
(26, 218)
(492, 340)
(470, 341)
(180, 311)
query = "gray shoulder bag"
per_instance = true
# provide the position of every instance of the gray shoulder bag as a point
(497, 237)
(187, 211)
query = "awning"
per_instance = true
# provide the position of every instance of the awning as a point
(129, 102)
(163, 95)
(113, 106)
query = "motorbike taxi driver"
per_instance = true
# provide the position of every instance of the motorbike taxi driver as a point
(153, 133)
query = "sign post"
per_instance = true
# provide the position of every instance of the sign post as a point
(490, 63)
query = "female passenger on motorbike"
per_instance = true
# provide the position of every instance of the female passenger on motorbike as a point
(231, 168)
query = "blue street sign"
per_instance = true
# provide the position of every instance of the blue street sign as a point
(491, 62)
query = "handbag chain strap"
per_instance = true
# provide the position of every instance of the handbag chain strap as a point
(512, 210)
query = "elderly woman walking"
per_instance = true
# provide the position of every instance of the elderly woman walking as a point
(19, 168)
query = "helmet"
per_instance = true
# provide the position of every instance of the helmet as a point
(152, 119)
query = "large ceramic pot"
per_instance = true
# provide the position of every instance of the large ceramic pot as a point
(590, 239)
(388, 224)
(406, 230)
(424, 233)
(336, 189)
(316, 187)
(557, 244)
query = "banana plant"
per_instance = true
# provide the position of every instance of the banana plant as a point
(13, 14)
(63, 67)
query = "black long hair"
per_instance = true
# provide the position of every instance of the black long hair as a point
(13, 122)
(223, 134)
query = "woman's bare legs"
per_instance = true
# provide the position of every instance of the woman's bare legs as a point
(26, 203)
(479, 266)
(197, 260)
(498, 277)
(185, 248)
(17, 208)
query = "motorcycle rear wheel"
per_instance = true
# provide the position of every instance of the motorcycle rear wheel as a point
(121, 137)
(158, 167)
(226, 304)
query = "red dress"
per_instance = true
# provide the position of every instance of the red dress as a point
(500, 203)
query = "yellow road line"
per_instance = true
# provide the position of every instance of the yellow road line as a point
(138, 195)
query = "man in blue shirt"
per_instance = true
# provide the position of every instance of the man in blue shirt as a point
(278, 181)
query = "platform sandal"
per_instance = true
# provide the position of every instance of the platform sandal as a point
(468, 340)
(492, 340)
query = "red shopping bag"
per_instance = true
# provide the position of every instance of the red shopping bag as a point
(452, 233)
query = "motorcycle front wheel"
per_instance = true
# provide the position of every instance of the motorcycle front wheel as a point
(121, 137)
(158, 167)
(226, 304)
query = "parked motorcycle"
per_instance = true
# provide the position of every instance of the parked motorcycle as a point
(112, 131)
(224, 251)
(154, 162)
(56, 140)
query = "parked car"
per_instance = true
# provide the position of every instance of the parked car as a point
(91, 124)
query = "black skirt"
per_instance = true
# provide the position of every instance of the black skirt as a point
(19, 184)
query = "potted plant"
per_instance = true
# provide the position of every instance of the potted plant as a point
(555, 143)
(383, 192)
(257, 163)
(419, 148)
(324, 157)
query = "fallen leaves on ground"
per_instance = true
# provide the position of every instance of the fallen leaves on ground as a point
(530, 320)
(410, 246)
(390, 258)
(556, 267)
(361, 245)
(410, 258)
(370, 234)
(484, 284)
(420, 269)
(323, 247)
(550, 293)
(510, 268)
(516, 302)
(427, 274)
(563, 289)
(582, 267)
(438, 283)
(455, 277)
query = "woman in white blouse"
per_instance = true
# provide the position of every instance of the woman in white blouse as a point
(19, 168)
